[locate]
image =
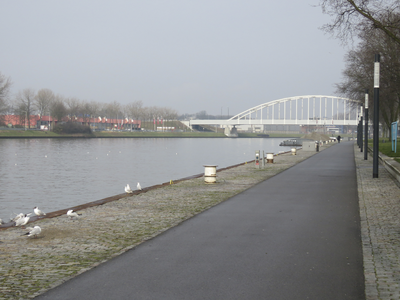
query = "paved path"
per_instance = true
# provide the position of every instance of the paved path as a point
(294, 236)
(380, 228)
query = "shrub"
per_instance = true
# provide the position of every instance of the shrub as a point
(71, 128)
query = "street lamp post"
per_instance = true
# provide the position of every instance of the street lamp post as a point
(361, 129)
(366, 126)
(358, 130)
(376, 116)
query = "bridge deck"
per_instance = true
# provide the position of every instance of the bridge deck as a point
(272, 122)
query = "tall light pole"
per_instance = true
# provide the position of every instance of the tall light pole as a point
(376, 117)
(361, 129)
(358, 130)
(366, 125)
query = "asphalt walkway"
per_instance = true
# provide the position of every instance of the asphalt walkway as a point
(294, 236)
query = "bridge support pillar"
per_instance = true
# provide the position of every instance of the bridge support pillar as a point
(231, 132)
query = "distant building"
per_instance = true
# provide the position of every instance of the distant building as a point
(95, 123)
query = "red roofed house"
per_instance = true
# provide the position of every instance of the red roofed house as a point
(95, 123)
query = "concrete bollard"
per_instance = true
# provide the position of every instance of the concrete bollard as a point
(210, 173)
(257, 159)
(294, 150)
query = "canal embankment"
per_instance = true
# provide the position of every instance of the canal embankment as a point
(67, 247)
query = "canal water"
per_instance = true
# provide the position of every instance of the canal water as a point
(55, 174)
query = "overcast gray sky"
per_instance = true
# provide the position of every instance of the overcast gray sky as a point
(189, 55)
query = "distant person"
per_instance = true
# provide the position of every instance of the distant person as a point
(338, 138)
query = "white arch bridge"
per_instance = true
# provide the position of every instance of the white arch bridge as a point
(317, 110)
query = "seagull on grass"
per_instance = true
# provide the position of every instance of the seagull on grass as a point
(128, 189)
(72, 214)
(138, 186)
(33, 231)
(38, 212)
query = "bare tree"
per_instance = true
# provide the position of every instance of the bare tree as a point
(74, 106)
(354, 16)
(5, 85)
(113, 110)
(43, 100)
(102, 112)
(89, 110)
(169, 114)
(153, 112)
(358, 74)
(25, 105)
(135, 110)
(58, 109)
(201, 115)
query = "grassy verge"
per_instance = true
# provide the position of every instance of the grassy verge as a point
(386, 148)
(26, 134)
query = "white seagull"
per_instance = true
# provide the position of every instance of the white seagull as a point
(72, 214)
(22, 221)
(138, 186)
(38, 212)
(33, 231)
(128, 189)
(19, 216)
(1, 222)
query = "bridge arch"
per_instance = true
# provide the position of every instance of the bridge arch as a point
(303, 110)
